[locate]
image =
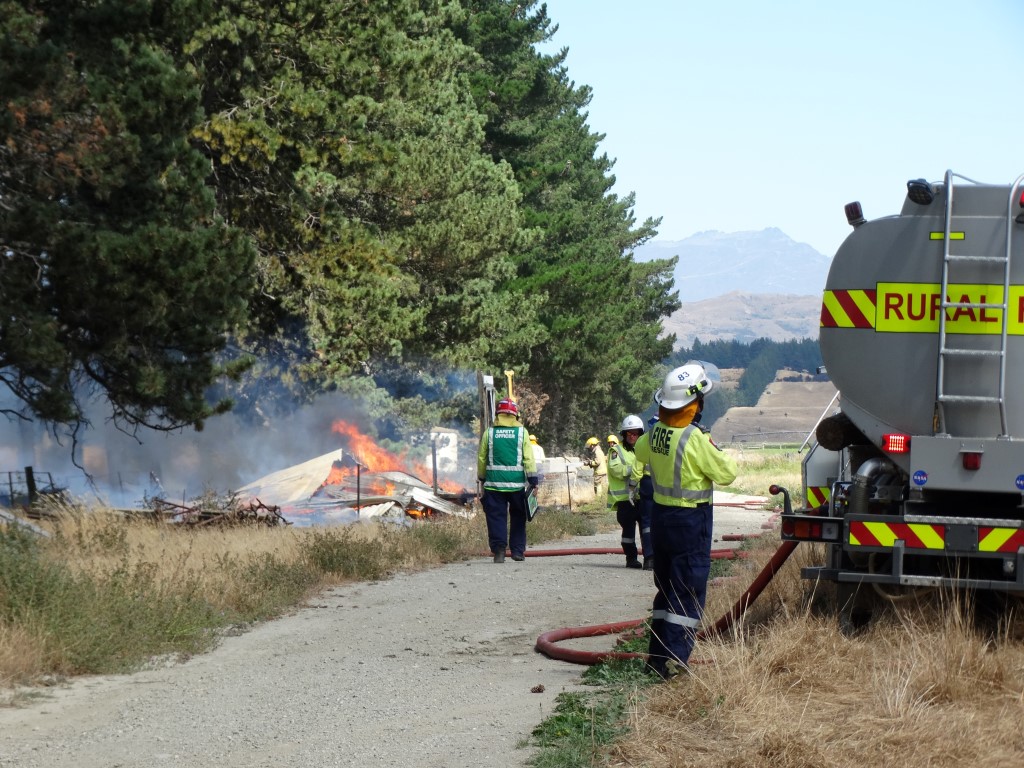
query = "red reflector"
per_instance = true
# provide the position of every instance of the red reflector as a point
(805, 529)
(896, 443)
(787, 527)
(972, 460)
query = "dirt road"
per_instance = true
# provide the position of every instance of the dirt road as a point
(428, 669)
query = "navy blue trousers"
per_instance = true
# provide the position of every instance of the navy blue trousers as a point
(645, 510)
(682, 564)
(630, 517)
(506, 520)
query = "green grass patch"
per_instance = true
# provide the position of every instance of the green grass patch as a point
(586, 722)
(553, 523)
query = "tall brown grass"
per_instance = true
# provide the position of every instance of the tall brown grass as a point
(925, 684)
(107, 593)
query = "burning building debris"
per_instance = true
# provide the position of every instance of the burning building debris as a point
(364, 481)
(211, 510)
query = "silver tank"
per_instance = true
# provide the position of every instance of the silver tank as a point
(882, 316)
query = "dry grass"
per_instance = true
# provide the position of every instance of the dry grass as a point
(924, 685)
(107, 593)
(97, 542)
(761, 467)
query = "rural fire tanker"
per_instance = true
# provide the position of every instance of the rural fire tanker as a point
(918, 478)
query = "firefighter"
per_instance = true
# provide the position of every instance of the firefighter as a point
(538, 452)
(624, 476)
(505, 467)
(685, 464)
(539, 457)
(593, 457)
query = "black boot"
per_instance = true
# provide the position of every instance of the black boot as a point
(499, 557)
(649, 563)
(633, 562)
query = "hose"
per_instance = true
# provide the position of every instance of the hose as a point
(547, 643)
(716, 554)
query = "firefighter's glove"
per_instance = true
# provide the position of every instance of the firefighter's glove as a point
(533, 481)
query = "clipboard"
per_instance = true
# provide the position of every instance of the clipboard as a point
(531, 504)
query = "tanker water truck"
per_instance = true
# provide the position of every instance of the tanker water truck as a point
(917, 480)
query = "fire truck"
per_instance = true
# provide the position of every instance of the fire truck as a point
(917, 479)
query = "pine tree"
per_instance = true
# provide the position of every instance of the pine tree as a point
(602, 311)
(115, 272)
(346, 140)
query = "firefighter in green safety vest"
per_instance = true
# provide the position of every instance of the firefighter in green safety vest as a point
(505, 467)
(685, 465)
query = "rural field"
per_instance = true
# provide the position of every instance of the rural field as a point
(349, 647)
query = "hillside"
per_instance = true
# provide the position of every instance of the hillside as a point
(745, 316)
(786, 412)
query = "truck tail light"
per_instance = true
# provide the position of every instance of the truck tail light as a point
(896, 443)
(800, 528)
(972, 460)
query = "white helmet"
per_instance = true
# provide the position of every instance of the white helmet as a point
(630, 423)
(683, 384)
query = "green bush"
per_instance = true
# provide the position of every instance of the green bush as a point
(340, 552)
(272, 586)
(448, 541)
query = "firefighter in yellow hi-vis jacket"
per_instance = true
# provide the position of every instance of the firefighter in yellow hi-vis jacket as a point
(594, 458)
(685, 464)
(624, 476)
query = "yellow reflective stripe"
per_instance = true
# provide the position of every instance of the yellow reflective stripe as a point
(928, 536)
(942, 235)
(882, 532)
(995, 539)
(854, 541)
(864, 304)
(836, 310)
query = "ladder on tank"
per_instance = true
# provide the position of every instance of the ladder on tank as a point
(947, 353)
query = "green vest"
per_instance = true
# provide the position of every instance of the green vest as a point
(505, 470)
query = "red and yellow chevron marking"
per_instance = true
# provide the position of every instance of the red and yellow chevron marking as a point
(817, 495)
(913, 535)
(848, 309)
(1000, 539)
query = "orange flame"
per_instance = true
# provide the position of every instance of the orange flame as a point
(370, 455)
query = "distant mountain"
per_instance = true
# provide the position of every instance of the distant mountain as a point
(714, 263)
(745, 317)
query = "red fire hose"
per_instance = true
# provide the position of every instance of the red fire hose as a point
(716, 554)
(547, 642)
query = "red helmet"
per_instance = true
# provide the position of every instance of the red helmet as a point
(505, 405)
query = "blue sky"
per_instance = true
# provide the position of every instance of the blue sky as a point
(742, 115)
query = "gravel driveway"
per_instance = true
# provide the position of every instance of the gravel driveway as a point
(427, 669)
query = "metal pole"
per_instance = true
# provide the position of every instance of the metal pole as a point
(433, 461)
(30, 484)
(568, 486)
(359, 479)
